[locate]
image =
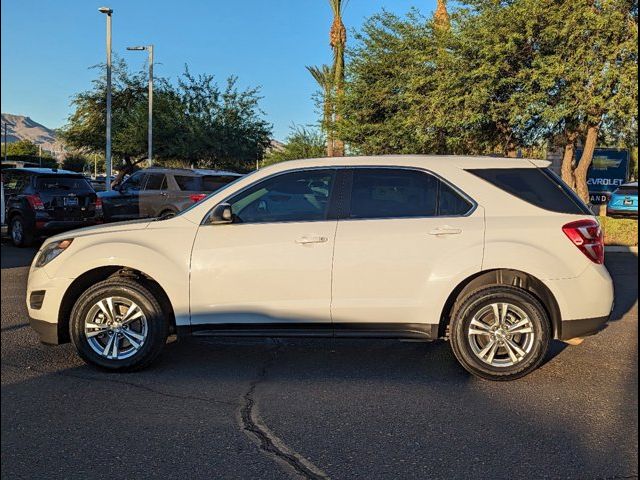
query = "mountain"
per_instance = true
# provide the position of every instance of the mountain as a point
(24, 128)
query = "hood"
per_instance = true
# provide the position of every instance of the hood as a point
(107, 228)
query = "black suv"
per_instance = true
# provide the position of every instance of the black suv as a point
(41, 201)
(161, 192)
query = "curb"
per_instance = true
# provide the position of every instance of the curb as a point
(619, 249)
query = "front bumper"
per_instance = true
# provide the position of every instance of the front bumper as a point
(48, 332)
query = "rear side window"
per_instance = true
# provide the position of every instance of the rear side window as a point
(451, 204)
(59, 183)
(211, 183)
(537, 186)
(188, 183)
(14, 182)
(390, 193)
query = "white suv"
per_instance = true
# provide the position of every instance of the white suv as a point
(497, 255)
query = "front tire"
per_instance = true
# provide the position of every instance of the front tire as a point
(500, 333)
(118, 325)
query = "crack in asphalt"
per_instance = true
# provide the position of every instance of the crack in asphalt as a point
(14, 327)
(269, 443)
(129, 384)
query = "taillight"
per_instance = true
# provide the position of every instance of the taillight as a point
(196, 197)
(98, 204)
(588, 237)
(35, 202)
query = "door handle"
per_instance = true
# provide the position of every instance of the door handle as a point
(307, 239)
(445, 230)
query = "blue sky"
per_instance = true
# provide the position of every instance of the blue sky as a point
(48, 47)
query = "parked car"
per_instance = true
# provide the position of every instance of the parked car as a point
(624, 201)
(99, 183)
(497, 255)
(43, 201)
(161, 192)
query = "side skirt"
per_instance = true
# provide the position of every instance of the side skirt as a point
(410, 331)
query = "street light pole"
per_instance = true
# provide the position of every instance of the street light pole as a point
(149, 49)
(108, 12)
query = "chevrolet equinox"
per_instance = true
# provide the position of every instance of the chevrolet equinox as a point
(496, 255)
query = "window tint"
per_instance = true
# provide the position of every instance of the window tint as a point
(292, 197)
(155, 181)
(211, 183)
(539, 187)
(189, 183)
(134, 182)
(450, 203)
(627, 190)
(389, 193)
(14, 182)
(59, 183)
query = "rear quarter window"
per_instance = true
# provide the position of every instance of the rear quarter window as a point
(211, 183)
(537, 186)
(188, 183)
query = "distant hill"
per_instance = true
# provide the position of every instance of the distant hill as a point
(24, 128)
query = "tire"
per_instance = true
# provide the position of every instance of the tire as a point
(90, 333)
(488, 351)
(21, 235)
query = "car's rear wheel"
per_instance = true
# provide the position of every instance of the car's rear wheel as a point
(21, 234)
(500, 333)
(118, 324)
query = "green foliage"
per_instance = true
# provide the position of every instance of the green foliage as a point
(21, 148)
(507, 76)
(196, 122)
(76, 163)
(620, 231)
(301, 143)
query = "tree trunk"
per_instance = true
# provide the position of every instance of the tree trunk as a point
(567, 161)
(581, 170)
(328, 123)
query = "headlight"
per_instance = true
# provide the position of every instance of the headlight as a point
(52, 250)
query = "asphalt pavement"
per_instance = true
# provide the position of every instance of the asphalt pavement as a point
(341, 409)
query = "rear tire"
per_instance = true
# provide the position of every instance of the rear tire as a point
(500, 333)
(21, 234)
(118, 325)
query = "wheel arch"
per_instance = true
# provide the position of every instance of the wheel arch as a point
(505, 277)
(95, 275)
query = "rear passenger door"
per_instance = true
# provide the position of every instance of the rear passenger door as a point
(403, 239)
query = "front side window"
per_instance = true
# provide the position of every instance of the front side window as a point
(155, 181)
(393, 193)
(134, 182)
(291, 197)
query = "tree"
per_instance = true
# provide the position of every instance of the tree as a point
(338, 42)
(22, 148)
(301, 143)
(325, 77)
(75, 163)
(195, 121)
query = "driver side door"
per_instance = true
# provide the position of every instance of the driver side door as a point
(271, 267)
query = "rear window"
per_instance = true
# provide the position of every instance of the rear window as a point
(628, 190)
(59, 183)
(537, 186)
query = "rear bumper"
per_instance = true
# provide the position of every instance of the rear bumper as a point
(582, 328)
(63, 225)
(48, 332)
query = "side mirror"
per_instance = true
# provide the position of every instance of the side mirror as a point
(221, 215)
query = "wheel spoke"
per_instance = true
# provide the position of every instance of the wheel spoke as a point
(108, 346)
(482, 326)
(97, 329)
(521, 330)
(134, 339)
(496, 314)
(521, 323)
(116, 341)
(492, 343)
(512, 355)
(105, 309)
(132, 314)
(515, 346)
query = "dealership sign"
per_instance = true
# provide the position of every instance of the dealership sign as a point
(608, 171)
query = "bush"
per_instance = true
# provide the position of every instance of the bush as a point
(623, 232)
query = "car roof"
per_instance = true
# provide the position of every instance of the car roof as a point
(43, 171)
(423, 161)
(189, 171)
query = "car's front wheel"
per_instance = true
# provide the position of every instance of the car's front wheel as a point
(500, 332)
(118, 324)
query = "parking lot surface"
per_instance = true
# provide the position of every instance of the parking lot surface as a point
(270, 409)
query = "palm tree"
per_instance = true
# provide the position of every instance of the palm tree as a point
(338, 42)
(324, 75)
(441, 16)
